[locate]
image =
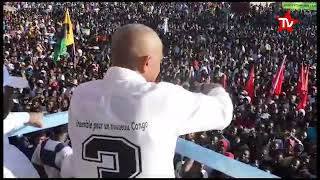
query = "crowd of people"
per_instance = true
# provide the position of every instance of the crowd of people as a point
(203, 42)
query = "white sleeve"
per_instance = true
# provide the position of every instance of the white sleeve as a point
(194, 112)
(15, 120)
(71, 117)
(36, 156)
(204, 173)
(7, 173)
(60, 156)
(66, 167)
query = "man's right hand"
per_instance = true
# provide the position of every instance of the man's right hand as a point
(36, 119)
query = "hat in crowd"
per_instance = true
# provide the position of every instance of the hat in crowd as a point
(62, 77)
(74, 82)
(10, 66)
(264, 116)
(313, 67)
(248, 98)
(80, 52)
(271, 101)
(229, 155)
(302, 111)
(244, 93)
(40, 81)
(16, 101)
(241, 97)
(12, 81)
(224, 143)
(30, 67)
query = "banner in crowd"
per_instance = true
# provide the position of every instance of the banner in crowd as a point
(49, 121)
(300, 5)
(230, 167)
(203, 155)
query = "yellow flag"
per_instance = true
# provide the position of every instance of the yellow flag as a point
(67, 20)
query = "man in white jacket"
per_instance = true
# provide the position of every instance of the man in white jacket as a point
(126, 125)
(15, 163)
(53, 154)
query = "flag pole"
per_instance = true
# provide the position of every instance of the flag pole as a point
(74, 56)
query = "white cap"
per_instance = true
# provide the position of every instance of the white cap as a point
(80, 52)
(248, 98)
(62, 77)
(10, 66)
(244, 92)
(16, 101)
(15, 82)
(302, 111)
(271, 101)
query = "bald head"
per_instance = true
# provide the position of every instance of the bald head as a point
(139, 48)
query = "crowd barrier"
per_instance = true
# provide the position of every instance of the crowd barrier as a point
(203, 155)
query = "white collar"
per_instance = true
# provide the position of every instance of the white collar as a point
(119, 73)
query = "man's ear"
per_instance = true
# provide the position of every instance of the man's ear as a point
(144, 64)
(147, 60)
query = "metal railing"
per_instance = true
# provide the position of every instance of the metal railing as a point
(193, 151)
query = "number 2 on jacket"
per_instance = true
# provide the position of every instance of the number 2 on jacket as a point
(126, 155)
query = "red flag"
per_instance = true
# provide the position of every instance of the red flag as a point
(223, 81)
(304, 87)
(303, 101)
(250, 84)
(304, 91)
(279, 85)
(300, 81)
(278, 79)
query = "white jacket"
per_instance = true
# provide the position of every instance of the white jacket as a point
(124, 126)
(15, 163)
